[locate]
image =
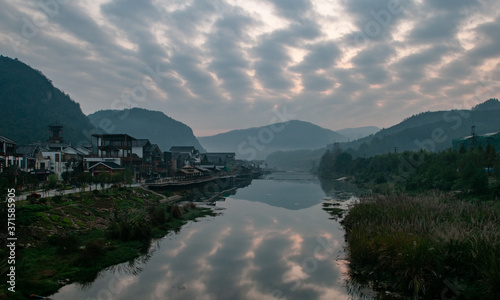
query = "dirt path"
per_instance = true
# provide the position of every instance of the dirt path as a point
(163, 197)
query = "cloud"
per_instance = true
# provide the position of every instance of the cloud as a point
(229, 63)
(321, 56)
(239, 59)
(292, 9)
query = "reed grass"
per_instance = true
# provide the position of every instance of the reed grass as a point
(415, 243)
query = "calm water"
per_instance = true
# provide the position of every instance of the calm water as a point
(272, 240)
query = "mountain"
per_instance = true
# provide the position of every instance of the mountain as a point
(488, 105)
(432, 131)
(29, 103)
(258, 142)
(146, 124)
(359, 132)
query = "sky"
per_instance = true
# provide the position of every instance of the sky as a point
(231, 64)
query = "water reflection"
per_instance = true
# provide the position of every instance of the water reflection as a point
(274, 241)
(340, 189)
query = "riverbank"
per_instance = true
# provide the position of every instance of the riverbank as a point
(423, 246)
(71, 238)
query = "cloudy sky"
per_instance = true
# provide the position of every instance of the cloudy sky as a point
(226, 64)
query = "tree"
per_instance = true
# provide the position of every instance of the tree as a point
(479, 183)
(490, 157)
(103, 178)
(342, 162)
(53, 181)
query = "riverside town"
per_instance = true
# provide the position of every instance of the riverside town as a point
(250, 150)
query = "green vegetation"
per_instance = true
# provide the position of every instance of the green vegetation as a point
(418, 245)
(411, 134)
(72, 238)
(30, 103)
(433, 222)
(473, 173)
(415, 132)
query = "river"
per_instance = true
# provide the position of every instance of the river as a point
(271, 240)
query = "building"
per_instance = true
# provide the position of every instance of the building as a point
(185, 155)
(475, 141)
(29, 155)
(104, 167)
(218, 158)
(56, 131)
(8, 154)
(106, 146)
(157, 163)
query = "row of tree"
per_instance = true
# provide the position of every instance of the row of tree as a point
(23, 181)
(474, 171)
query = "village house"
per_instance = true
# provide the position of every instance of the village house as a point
(8, 155)
(185, 155)
(218, 159)
(151, 156)
(115, 146)
(29, 155)
(104, 167)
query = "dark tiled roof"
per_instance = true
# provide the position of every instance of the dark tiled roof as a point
(140, 142)
(6, 140)
(178, 149)
(109, 164)
(114, 136)
(26, 149)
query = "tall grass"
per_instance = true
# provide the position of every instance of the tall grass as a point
(416, 243)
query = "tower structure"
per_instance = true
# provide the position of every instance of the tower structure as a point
(56, 134)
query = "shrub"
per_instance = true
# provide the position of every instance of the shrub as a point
(189, 206)
(176, 212)
(157, 214)
(92, 251)
(58, 199)
(114, 231)
(65, 244)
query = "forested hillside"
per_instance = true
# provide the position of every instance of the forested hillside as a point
(30, 103)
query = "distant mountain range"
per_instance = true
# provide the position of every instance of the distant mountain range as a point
(146, 124)
(358, 133)
(258, 142)
(29, 103)
(432, 131)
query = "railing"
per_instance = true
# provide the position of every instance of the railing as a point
(187, 181)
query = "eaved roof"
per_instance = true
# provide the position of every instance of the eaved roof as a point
(108, 164)
(482, 135)
(28, 150)
(182, 149)
(7, 140)
(140, 142)
(114, 136)
(154, 147)
(82, 150)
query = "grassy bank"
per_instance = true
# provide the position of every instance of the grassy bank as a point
(420, 246)
(72, 238)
